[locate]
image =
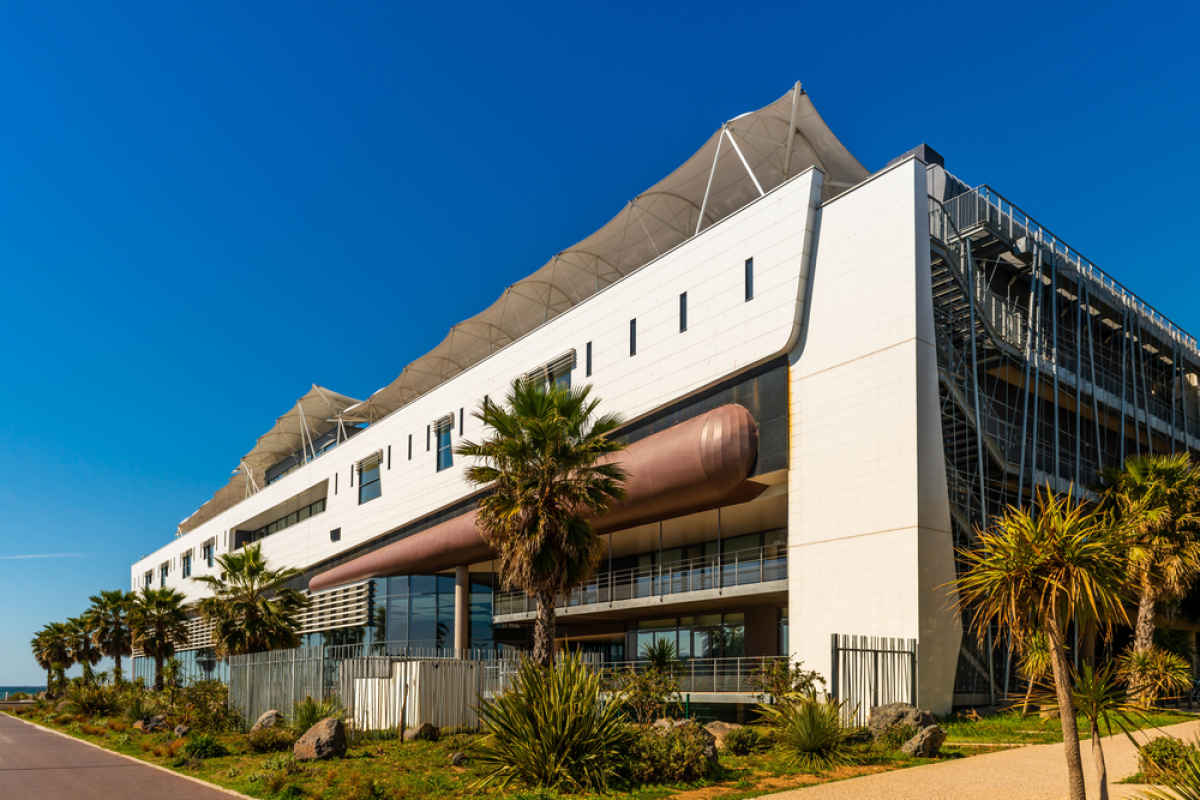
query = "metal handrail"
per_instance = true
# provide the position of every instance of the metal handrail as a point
(739, 568)
(704, 674)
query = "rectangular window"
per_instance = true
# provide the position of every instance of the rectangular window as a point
(148, 578)
(410, 447)
(187, 565)
(749, 279)
(683, 312)
(460, 422)
(588, 360)
(444, 457)
(389, 456)
(208, 554)
(427, 430)
(335, 535)
(162, 575)
(368, 483)
(633, 337)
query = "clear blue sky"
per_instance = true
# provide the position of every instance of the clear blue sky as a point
(205, 208)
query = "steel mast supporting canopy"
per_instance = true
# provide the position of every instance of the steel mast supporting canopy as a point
(315, 414)
(747, 157)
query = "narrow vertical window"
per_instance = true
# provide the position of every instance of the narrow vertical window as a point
(444, 457)
(460, 422)
(208, 555)
(187, 565)
(427, 430)
(588, 360)
(749, 279)
(633, 337)
(410, 447)
(162, 576)
(368, 482)
(389, 466)
(683, 312)
(335, 481)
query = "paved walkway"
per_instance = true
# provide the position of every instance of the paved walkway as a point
(38, 764)
(1037, 772)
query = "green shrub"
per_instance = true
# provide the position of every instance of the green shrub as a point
(284, 762)
(205, 704)
(892, 738)
(552, 730)
(1162, 757)
(810, 732)
(269, 740)
(91, 701)
(204, 745)
(674, 755)
(743, 741)
(138, 706)
(309, 712)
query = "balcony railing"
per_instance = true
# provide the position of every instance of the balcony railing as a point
(707, 674)
(739, 568)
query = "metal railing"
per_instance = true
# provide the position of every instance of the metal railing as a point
(713, 675)
(739, 568)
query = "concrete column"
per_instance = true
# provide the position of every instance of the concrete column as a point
(462, 608)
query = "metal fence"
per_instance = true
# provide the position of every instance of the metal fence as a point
(870, 671)
(377, 690)
(738, 568)
(699, 675)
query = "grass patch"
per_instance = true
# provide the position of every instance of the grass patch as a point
(1011, 728)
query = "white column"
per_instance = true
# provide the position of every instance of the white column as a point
(462, 609)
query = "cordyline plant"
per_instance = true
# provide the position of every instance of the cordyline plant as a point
(548, 467)
(1035, 570)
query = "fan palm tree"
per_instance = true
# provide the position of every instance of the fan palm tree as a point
(251, 607)
(51, 650)
(109, 613)
(1050, 564)
(158, 620)
(1158, 499)
(548, 467)
(83, 649)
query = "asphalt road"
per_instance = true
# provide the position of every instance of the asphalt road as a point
(37, 764)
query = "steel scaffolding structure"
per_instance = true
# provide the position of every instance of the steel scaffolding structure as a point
(1048, 371)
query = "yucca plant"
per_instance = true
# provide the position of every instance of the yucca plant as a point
(553, 729)
(308, 712)
(1153, 672)
(91, 700)
(810, 731)
(138, 706)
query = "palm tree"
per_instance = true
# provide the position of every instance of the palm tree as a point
(83, 649)
(1158, 499)
(51, 652)
(110, 622)
(548, 467)
(158, 621)
(251, 608)
(1050, 564)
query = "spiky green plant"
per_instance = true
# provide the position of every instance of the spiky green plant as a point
(1182, 783)
(308, 712)
(1153, 673)
(554, 729)
(661, 654)
(810, 732)
(91, 700)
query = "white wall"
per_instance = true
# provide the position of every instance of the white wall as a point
(725, 334)
(869, 540)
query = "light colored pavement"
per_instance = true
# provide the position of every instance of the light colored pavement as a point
(38, 764)
(1037, 772)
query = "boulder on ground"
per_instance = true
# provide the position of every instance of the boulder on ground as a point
(720, 730)
(425, 732)
(666, 723)
(182, 731)
(269, 719)
(150, 724)
(41, 695)
(326, 739)
(62, 705)
(458, 759)
(897, 715)
(926, 744)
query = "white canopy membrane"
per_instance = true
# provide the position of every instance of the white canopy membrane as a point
(748, 156)
(314, 415)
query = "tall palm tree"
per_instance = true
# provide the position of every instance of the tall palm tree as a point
(251, 607)
(1050, 564)
(158, 620)
(52, 652)
(548, 466)
(83, 649)
(109, 613)
(1158, 498)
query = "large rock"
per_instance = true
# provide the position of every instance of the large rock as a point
(719, 730)
(181, 731)
(326, 739)
(269, 719)
(425, 732)
(898, 715)
(150, 724)
(926, 744)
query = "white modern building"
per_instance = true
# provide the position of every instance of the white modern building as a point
(830, 374)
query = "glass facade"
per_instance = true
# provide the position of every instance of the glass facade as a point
(700, 636)
(200, 665)
(291, 519)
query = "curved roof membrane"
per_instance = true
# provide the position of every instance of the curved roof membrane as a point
(748, 156)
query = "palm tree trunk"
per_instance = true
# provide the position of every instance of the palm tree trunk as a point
(49, 681)
(158, 672)
(1143, 632)
(1098, 760)
(1087, 643)
(1066, 706)
(117, 673)
(543, 630)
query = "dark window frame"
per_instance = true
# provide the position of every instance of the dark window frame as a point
(683, 312)
(369, 488)
(588, 361)
(445, 454)
(633, 337)
(749, 279)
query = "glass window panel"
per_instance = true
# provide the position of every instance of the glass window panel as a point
(422, 584)
(422, 623)
(397, 619)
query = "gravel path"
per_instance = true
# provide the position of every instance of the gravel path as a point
(1037, 772)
